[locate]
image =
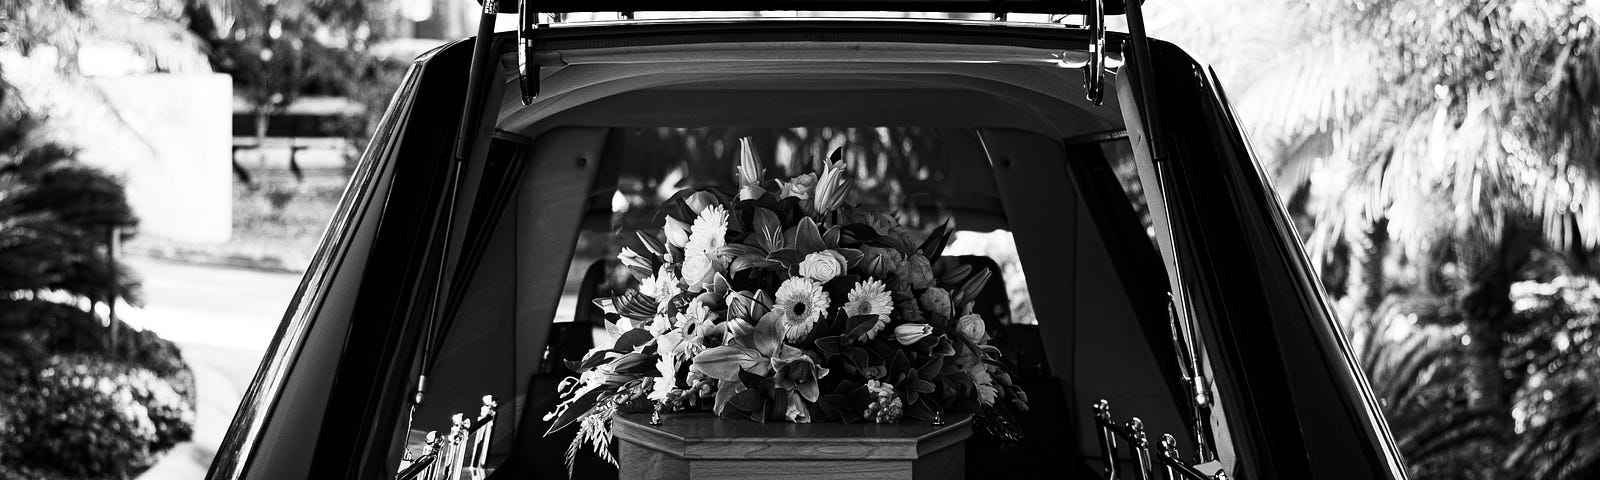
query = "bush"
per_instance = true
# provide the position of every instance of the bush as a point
(88, 417)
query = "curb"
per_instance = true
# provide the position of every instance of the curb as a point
(270, 264)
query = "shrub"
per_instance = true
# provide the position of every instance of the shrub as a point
(89, 417)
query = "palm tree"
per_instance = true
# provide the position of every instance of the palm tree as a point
(1440, 146)
(54, 219)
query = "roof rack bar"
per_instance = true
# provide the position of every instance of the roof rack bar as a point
(1070, 7)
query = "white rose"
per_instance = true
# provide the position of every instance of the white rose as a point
(698, 270)
(823, 266)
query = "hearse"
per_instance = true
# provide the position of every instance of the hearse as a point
(1152, 295)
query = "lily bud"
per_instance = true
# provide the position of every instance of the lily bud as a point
(912, 333)
(749, 172)
(677, 232)
(831, 188)
(699, 201)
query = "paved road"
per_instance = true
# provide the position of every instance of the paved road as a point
(222, 319)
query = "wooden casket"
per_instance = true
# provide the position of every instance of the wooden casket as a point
(702, 446)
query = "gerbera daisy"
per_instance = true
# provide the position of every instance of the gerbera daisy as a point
(707, 232)
(801, 301)
(870, 297)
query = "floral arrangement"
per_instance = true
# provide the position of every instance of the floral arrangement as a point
(782, 302)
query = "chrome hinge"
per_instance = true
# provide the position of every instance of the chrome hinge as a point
(1094, 74)
(527, 67)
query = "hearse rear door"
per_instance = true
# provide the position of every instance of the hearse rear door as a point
(1293, 402)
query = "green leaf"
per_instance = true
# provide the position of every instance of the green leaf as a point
(748, 400)
(830, 346)
(635, 305)
(954, 274)
(651, 243)
(807, 238)
(972, 287)
(577, 407)
(788, 256)
(899, 363)
(931, 369)
(725, 362)
(632, 339)
(593, 359)
(735, 250)
(750, 380)
(859, 325)
(833, 406)
(921, 386)
(934, 245)
(831, 237)
(944, 347)
(852, 257)
(636, 364)
(767, 231)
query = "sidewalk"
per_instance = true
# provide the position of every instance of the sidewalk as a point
(222, 319)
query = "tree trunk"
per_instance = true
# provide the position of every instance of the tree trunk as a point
(1367, 281)
(1486, 310)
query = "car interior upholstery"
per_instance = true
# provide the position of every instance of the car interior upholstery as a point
(1003, 118)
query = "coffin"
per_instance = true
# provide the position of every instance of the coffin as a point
(702, 446)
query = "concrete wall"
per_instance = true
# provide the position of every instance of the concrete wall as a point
(178, 175)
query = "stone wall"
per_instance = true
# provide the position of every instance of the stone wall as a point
(178, 174)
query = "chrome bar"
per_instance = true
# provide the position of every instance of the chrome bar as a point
(1108, 439)
(1139, 445)
(461, 454)
(1166, 464)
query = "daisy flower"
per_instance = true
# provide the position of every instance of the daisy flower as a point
(801, 301)
(870, 297)
(708, 231)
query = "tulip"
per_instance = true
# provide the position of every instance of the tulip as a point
(912, 333)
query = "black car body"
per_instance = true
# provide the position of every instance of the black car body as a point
(445, 275)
